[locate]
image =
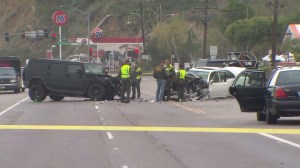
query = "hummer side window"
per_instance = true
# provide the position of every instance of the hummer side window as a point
(73, 69)
(58, 69)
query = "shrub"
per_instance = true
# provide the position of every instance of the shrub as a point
(297, 57)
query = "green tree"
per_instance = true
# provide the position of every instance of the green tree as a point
(294, 47)
(249, 32)
(237, 10)
(170, 37)
(192, 46)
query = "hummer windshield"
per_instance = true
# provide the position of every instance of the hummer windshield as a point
(97, 69)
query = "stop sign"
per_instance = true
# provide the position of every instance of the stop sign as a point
(59, 18)
(96, 34)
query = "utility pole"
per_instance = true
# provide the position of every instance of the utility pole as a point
(205, 29)
(274, 34)
(143, 31)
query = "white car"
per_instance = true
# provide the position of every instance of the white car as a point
(219, 79)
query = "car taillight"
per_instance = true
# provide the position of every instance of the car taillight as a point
(280, 93)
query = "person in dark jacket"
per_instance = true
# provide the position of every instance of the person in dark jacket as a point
(124, 75)
(136, 77)
(180, 79)
(160, 74)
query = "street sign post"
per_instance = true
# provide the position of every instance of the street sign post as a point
(59, 18)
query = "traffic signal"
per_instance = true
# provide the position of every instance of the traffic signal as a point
(6, 36)
(46, 33)
(54, 37)
(22, 35)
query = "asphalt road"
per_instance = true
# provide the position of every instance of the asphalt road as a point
(80, 133)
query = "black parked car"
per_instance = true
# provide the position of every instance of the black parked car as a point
(279, 96)
(60, 78)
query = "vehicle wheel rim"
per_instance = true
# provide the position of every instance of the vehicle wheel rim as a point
(37, 94)
(95, 93)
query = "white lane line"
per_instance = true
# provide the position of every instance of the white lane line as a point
(124, 166)
(4, 111)
(280, 140)
(101, 118)
(109, 135)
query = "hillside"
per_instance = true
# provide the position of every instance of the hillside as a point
(32, 15)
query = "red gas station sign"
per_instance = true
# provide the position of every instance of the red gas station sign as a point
(59, 18)
(96, 35)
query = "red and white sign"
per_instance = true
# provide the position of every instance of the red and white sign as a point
(59, 18)
(49, 54)
(96, 35)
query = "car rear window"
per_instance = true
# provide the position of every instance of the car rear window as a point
(7, 72)
(288, 77)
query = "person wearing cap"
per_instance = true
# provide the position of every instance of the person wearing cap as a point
(136, 77)
(124, 75)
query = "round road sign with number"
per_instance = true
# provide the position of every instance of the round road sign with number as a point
(97, 33)
(59, 18)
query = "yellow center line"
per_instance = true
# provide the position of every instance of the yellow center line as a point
(150, 129)
(193, 110)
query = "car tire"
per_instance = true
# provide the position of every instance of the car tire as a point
(56, 98)
(270, 118)
(96, 92)
(37, 93)
(260, 116)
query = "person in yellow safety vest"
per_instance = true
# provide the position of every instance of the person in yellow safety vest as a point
(136, 77)
(181, 81)
(124, 75)
(170, 77)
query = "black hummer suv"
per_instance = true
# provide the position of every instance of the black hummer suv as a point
(61, 78)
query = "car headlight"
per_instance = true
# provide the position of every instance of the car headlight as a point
(13, 81)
